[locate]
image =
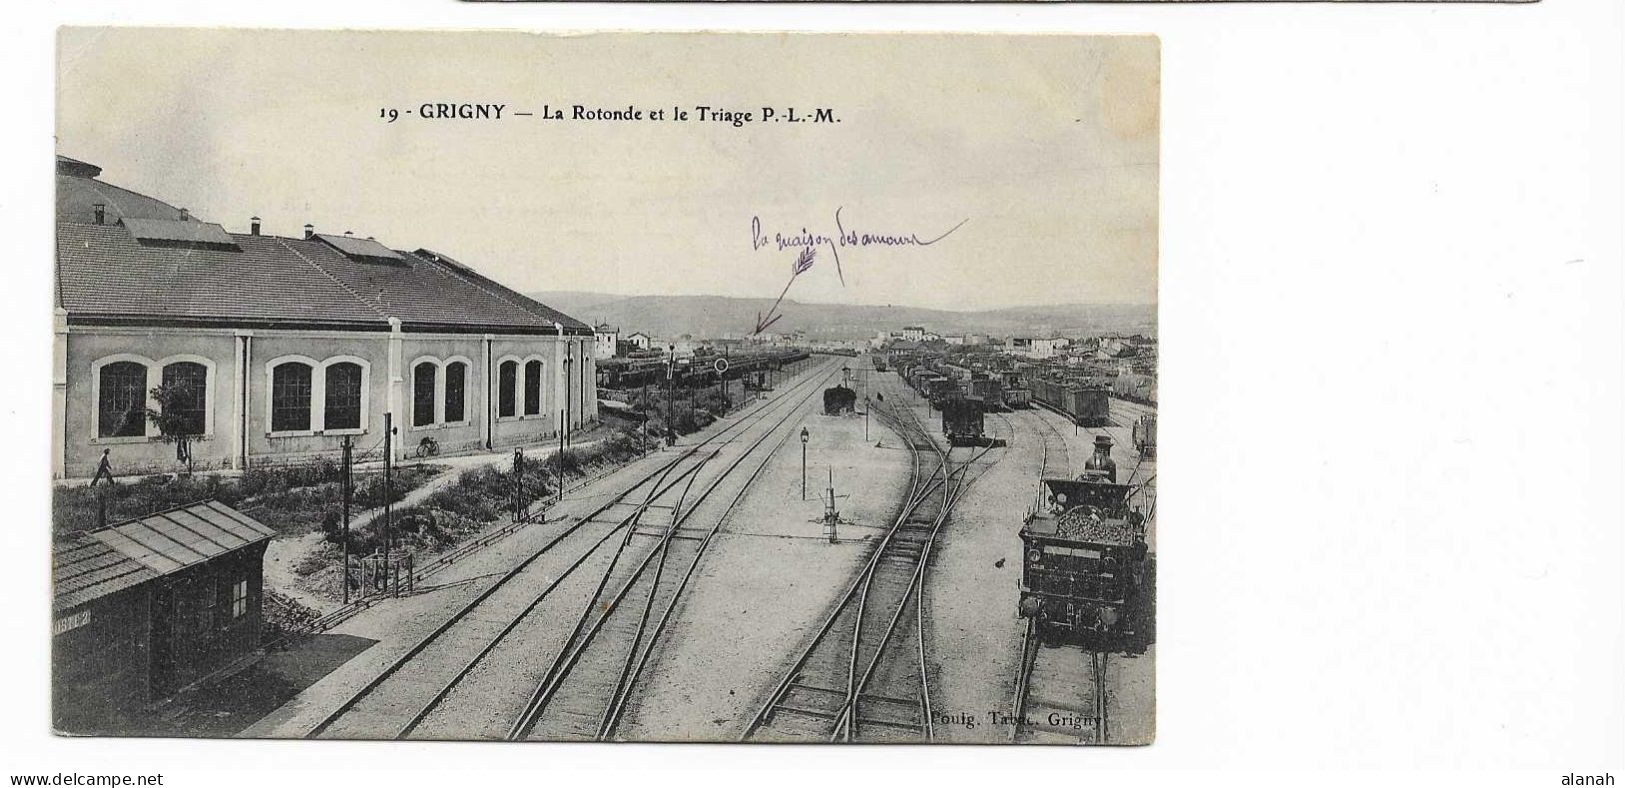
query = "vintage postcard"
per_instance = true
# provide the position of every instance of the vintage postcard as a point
(605, 387)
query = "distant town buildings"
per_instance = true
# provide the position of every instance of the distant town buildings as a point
(640, 340)
(1036, 347)
(606, 338)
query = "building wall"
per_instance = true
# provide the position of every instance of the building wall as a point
(88, 349)
(238, 409)
(102, 663)
(265, 348)
(441, 351)
(196, 628)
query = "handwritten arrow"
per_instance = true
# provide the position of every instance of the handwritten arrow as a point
(804, 261)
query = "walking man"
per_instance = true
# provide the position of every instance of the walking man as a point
(104, 470)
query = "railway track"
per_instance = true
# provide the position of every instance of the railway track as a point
(585, 692)
(864, 675)
(1061, 694)
(415, 685)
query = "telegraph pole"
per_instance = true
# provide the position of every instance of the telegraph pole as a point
(345, 539)
(518, 482)
(569, 383)
(389, 489)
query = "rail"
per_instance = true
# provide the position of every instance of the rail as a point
(860, 602)
(660, 485)
(639, 647)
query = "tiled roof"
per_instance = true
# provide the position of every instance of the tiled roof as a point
(98, 563)
(104, 270)
(106, 273)
(76, 198)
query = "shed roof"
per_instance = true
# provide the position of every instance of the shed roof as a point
(94, 564)
(84, 568)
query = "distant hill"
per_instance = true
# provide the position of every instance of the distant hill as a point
(716, 316)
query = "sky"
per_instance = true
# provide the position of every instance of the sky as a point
(1036, 155)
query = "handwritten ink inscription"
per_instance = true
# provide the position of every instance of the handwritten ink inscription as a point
(807, 243)
(844, 237)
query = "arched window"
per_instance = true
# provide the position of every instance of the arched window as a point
(507, 373)
(533, 388)
(187, 387)
(342, 409)
(122, 405)
(456, 385)
(290, 397)
(423, 383)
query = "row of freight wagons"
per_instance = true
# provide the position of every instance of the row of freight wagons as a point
(1085, 406)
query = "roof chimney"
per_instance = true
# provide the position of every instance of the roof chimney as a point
(186, 215)
(310, 231)
(253, 225)
(101, 212)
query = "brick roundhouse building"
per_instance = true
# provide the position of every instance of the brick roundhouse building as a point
(274, 349)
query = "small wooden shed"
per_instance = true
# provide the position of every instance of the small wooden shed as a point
(143, 608)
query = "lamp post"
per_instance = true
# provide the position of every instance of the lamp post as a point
(866, 418)
(804, 437)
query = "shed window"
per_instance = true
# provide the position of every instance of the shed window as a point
(290, 397)
(533, 388)
(122, 409)
(505, 387)
(342, 410)
(239, 599)
(423, 393)
(456, 377)
(187, 383)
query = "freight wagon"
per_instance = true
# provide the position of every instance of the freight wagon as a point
(1084, 406)
(988, 390)
(1145, 436)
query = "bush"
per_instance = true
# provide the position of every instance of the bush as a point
(291, 499)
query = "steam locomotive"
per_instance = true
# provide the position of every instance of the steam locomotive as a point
(1085, 571)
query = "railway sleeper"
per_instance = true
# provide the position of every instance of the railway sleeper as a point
(912, 727)
(867, 696)
(692, 534)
